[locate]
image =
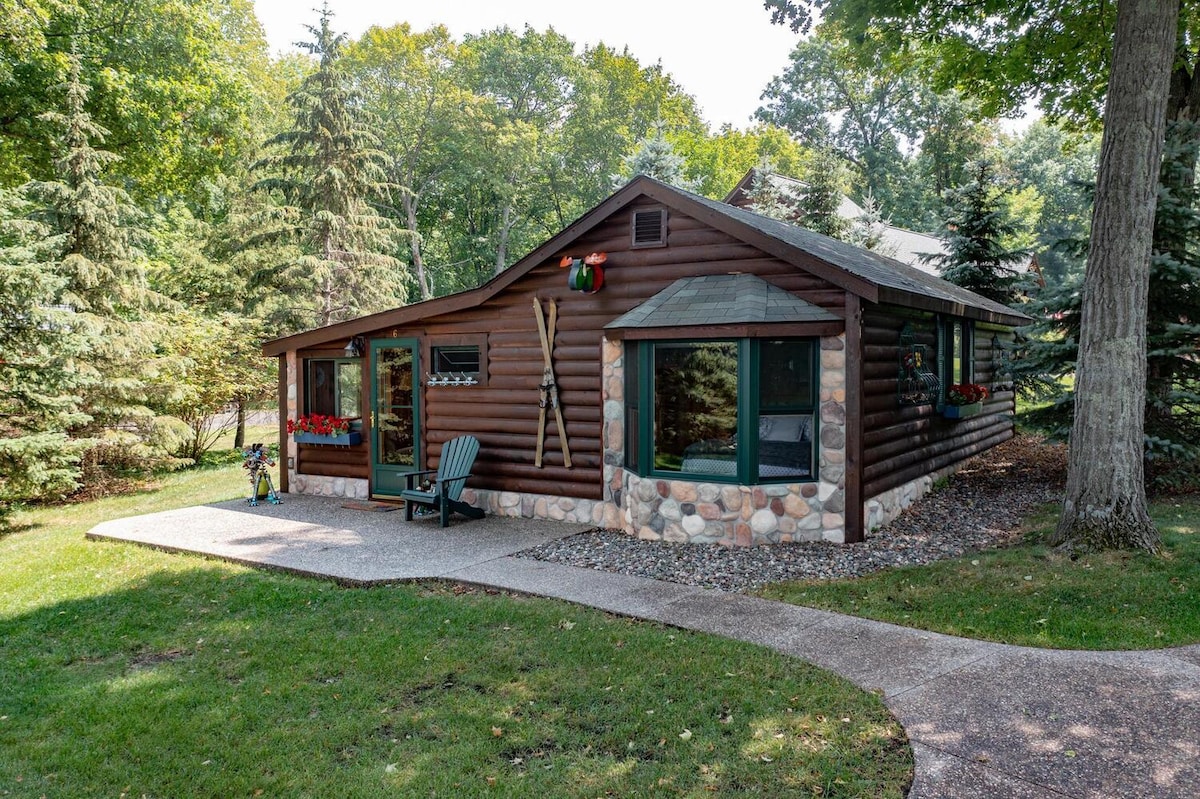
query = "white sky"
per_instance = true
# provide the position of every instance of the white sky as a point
(721, 53)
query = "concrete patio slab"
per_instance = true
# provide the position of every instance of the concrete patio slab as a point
(316, 536)
(985, 720)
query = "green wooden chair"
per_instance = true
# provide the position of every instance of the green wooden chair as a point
(454, 467)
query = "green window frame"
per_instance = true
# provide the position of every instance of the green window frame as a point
(754, 419)
(334, 387)
(956, 353)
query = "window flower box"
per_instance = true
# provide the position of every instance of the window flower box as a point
(321, 429)
(338, 440)
(962, 411)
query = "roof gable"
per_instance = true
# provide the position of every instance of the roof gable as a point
(868, 275)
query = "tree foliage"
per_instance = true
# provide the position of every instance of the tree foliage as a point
(978, 234)
(328, 172)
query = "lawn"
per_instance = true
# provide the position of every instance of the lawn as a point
(129, 672)
(1032, 595)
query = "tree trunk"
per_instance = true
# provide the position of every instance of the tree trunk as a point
(502, 245)
(239, 435)
(1105, 503)
(418, 261)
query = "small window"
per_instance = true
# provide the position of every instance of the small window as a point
(464, 359)
(957, 351)
(650, 228)
(335, 387)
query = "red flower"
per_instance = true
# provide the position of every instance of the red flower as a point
(966, 394)
(320, 424)
(595, 259)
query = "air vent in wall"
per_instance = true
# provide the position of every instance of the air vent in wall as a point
(650, 228)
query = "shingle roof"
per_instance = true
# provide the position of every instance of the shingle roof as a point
(865, 264)
(721, 300)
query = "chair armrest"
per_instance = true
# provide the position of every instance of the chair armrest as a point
(410, 477)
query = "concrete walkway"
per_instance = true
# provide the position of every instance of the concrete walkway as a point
(985, 720)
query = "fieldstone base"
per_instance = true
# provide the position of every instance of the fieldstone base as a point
(713, 513)
(883, 508)
(539, 506)
(348, 487)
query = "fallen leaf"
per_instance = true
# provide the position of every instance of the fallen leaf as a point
(497, 731)
(686, 734)
(390, 768)
(1070, 753)
(565, 625)
(766, 759)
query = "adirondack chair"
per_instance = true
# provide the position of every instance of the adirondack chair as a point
(458, 455)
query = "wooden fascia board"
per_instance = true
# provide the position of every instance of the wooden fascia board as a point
(464, 299)
(797, 257)
(924, 302)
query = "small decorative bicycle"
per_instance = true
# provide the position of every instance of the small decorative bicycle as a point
(256, 462)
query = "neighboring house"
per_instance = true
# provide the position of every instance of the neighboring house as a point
(906, 246)
(735, 379)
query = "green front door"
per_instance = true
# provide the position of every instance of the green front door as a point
(395, 427)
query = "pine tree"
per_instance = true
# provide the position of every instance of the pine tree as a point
(867, 230)
(768, 198)
(104, 288)
(821, 195)
(40, 375)
(975, 231)
(656, 158)
(329, 173)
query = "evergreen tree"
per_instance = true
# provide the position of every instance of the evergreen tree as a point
(655, 157)
(976, 232)
(1172, 419)
(768, 198)
(104, 287)
(867, 230)
(329, 173)
(818, 201)
(40, 377)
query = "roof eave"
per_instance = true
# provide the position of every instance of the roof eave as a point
(926, 303)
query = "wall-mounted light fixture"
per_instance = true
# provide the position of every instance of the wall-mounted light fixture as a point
(356, 347)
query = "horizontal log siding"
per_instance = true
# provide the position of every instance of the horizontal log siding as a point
(902, 443)
(503, 414)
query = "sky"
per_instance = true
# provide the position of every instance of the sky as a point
(722, 58)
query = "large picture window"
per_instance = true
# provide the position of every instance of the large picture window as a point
(738, 410)
(334, 387)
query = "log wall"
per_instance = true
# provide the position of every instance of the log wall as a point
(503, 413)
(901, 443)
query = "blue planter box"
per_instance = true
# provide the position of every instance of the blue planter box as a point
(962, 411)
(343, 440)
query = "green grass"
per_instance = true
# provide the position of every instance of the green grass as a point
(1034, 596)
(129, 672)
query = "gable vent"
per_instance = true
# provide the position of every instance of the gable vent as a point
(650, 228)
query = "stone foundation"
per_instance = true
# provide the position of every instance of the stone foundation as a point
(540, 506)
(883, 508)
(348, 487)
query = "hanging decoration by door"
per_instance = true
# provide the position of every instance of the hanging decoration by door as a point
(587, 273)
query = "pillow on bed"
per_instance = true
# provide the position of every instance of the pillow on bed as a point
(785, 428)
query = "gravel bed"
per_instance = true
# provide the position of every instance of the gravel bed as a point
(983, 506)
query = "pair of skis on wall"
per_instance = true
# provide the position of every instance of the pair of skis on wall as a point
(548, 388)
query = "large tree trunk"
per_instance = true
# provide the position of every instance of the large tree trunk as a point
(1105, 503)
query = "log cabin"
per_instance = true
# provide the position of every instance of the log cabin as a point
(721, 377)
